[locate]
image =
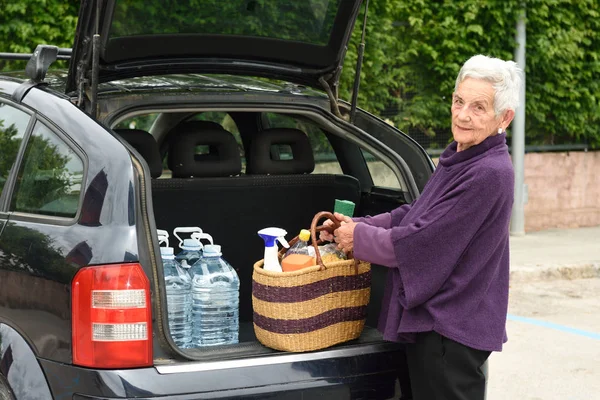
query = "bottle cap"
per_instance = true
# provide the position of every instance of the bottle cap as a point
(212, 250)
(167, 252)
(304, 235)
(191, 244)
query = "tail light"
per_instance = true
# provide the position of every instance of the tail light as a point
(112, 318)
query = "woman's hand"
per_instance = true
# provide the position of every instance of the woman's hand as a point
(327, 236)
(344, 235)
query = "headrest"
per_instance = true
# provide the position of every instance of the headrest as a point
(262, 159)
(221, 155)
(145, 144)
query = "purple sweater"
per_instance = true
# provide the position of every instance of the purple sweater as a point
(448, 250)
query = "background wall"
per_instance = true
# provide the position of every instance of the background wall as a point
(563, 188)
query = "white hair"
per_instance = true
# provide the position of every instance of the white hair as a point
(505, 77)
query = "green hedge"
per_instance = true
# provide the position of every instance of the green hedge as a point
(414, 49)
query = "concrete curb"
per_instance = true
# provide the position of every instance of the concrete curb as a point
(532, 273)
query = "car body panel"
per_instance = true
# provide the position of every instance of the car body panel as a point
(20, 367)
(42, 254)
(371, 374)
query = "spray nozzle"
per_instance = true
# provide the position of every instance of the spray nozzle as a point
(270, 235)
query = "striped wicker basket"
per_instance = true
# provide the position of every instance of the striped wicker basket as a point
(312, 308)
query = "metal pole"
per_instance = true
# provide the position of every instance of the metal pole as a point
(517, 221)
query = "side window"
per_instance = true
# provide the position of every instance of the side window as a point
(49, 180)
(143, 122)
(13, 123)
(326, 161)
(381, 174)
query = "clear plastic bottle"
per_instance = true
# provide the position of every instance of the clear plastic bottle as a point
(191, 251)
(178, 286)
(301, 246)
(215, 300)
(330, 252)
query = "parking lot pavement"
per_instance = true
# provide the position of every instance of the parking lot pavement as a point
(553, 348)
(555, 254)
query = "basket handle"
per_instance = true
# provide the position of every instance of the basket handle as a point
(313, 232)
(314, 229)
(313, 236)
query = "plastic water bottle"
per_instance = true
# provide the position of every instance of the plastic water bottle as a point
(191, 251)
(178, 286)
(215, 300)
(301, 246)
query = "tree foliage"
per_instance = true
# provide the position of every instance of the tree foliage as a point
(414, 49)
(26, 23)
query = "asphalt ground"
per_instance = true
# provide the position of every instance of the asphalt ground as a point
(553, 348)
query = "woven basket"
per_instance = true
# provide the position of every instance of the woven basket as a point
(312, 308)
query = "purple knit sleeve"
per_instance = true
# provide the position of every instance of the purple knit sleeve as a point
(374, 245)
(386, 220)
(432, 245)
(399, 213)
(380, 220)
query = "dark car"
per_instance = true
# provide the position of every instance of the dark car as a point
(222, 115)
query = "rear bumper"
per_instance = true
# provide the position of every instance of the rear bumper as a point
(368, 372)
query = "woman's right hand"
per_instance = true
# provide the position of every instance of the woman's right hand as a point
(328, 236)
(325, 235)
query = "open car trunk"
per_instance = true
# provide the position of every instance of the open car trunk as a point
(276, 184)
(232, 210)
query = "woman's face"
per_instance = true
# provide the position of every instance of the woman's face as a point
(473, 117)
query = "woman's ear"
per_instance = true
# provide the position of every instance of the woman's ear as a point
(507, 118)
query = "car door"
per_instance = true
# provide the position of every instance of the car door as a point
(14, 121)
(386, 193)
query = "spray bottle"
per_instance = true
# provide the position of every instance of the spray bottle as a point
(270, 236)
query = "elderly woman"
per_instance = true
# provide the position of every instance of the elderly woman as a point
(447, 252)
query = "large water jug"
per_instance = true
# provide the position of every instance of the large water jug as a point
(215, 300)
(178, 286)
(191, 249)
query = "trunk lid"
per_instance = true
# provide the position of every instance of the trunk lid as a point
(296, 41)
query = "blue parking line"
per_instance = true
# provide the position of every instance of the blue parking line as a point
(551, 325)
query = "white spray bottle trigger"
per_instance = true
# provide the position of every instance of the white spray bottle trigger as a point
(186, 229)
(283, 242)
(163, 237)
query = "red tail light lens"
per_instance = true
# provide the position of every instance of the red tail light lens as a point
(112, 318)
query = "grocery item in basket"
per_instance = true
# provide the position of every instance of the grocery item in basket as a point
(345, 207)
(331, 253)
(314, 307)
(301, 246)
(271, 236)
(215, 300)
(294, 262)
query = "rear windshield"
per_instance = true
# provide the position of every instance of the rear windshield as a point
(308, 21)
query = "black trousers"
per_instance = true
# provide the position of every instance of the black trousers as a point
(442, 369)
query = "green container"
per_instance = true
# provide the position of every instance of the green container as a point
(345, 207)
